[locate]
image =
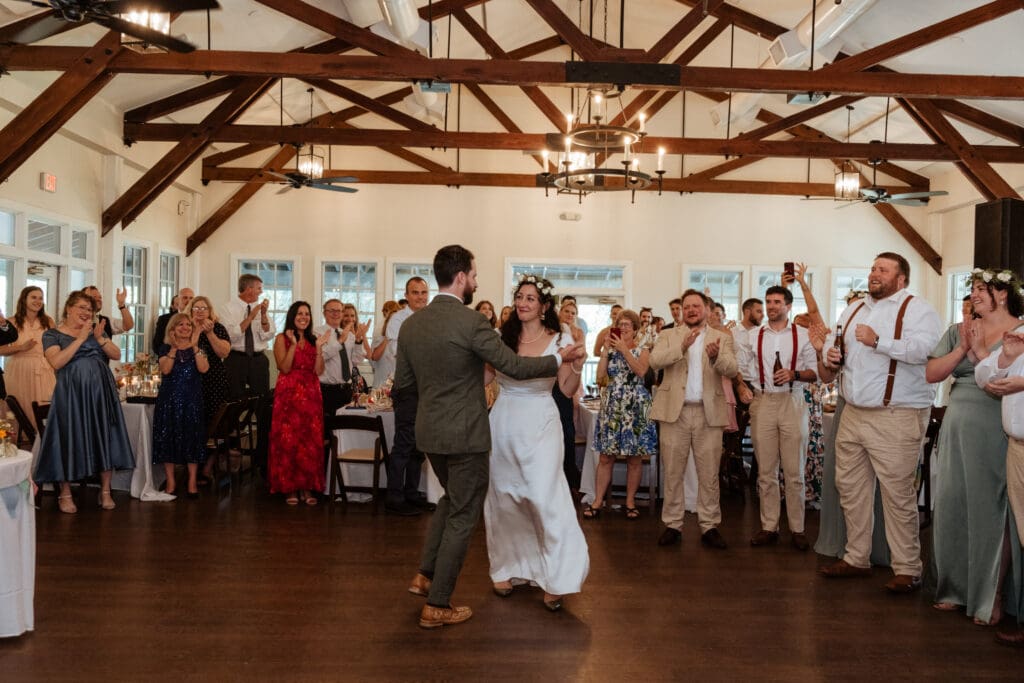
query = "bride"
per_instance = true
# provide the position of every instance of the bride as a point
(533, 535)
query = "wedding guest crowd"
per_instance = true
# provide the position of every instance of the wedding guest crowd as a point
(28, 375)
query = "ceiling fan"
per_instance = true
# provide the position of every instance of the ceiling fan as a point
(105, 13)
(295, 180)
(874, 194)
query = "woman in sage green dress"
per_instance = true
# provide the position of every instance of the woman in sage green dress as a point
(974, 537)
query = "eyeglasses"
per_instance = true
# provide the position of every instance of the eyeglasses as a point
(335, 311)
(83, 307)
(200, 308)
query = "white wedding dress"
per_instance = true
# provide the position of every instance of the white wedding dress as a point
(533, 534)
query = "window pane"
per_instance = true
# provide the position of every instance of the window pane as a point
(278, 285)
(766, 280)
(79, 244)
(844, 284)
(404, 271)
(133, 269)
(6, 228)
(43, 237)
(168, 281)
(958, 289)
(80, 278)
(353, 283)
(724, 286)
(570, 279)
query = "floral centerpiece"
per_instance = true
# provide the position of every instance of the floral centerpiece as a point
(8, 449)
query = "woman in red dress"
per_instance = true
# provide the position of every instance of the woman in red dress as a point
(296, 462)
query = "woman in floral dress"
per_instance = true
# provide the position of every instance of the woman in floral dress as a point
(623, 427)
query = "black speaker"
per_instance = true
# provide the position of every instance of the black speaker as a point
(999, 234)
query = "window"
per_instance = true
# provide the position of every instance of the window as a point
(764, 280)
(845, 280)
(404, 271)
(6, 228)
(44, 237)
(79, 244)
(724, 286)
(79, 278)
(958, 289)
(168, 281)
(134, 271)
(7, 285)
(278, 285)
(352, 283)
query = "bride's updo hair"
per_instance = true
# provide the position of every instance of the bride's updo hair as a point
(549, 318)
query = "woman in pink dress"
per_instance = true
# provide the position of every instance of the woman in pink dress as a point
(29, 377)
(296, 461)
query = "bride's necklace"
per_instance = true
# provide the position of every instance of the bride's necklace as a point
(527, 342)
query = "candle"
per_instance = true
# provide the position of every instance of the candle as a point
(643, 119)
(661, 158)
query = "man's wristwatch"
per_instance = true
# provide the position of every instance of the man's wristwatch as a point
(121, 307)
(875, 345)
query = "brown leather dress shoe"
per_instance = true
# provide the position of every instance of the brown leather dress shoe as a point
(763, 537)
(1011, 638)
(670, 537)
(843, 570)
(713, 539)
(903, 583)
(799, 541)
(435, 617)
(420, 585)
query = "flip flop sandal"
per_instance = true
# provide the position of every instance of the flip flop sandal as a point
(632, 513)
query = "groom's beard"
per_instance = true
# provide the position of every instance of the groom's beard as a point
(467, 295)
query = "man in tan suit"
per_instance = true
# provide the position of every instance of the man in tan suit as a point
(442, 350)
(690, 405)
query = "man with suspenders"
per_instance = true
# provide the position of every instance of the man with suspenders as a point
(887, 339)
(778, 414)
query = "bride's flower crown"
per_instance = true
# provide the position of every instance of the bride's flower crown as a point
(990, 275)
(542, 284)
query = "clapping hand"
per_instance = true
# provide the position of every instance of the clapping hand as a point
(361, 330)
(97, 330)
(206, 326)
(290, 336)
(1005, 386)
(577, 334)
(817, 333)
(976, 340)
(264, 306)
(692, 337)
(122, 296)
(322, 340)
(712, 349)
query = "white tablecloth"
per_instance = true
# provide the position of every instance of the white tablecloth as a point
(588, 473)
(17, 546)
(357, 474)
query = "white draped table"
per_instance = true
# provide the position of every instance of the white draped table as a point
(17, 546)
(357, 474)
(588, 473)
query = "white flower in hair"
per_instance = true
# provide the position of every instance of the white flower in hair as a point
(976, 271)
(986, 276)
(1004, 276)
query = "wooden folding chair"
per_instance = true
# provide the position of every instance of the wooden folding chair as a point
(375, 456)
(26, 432)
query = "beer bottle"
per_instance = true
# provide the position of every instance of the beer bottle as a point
(776, 367)
(840, 344)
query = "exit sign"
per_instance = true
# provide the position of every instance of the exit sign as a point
(47, 182)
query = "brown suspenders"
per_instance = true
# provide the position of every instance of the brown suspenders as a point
(891, 380)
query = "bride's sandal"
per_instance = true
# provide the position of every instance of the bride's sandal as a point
(503, 589)
(67, 504)
(591, 512)
(552, 603)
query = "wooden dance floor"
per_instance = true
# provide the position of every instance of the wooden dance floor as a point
(246, 588)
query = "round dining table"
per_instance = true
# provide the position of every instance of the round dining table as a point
(17, 545)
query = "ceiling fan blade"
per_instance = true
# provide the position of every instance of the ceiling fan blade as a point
(282, 176)
(918, 195)
(335, 188)
(284, 189)
(171, 6)
(338, 179)
(44, 28)
(908, 202)
(846, 205)
(143, 33)
(873, 192)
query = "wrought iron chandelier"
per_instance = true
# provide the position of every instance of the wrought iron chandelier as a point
(580, 164)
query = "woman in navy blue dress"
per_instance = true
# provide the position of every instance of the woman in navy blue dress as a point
(179, 430)
(85, 431)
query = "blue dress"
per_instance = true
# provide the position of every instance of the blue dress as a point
(179, 430)
(85, 431)
(623, 426)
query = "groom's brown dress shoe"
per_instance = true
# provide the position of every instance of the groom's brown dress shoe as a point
(435, 617)
(420, 585)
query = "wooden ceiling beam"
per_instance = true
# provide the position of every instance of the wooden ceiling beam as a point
(907, 231)
(982, 120)
(45, 22)
(537, 47)
(370, 104)
(568, 31)
(189, 147)
(44, 116)
(924, 36)
(678, 33)
(785, 122)
(181, 100)
(745, 20)
(491, 47)
(971, 160)
(357, 36)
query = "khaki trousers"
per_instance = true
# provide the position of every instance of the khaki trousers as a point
(882, 442)
(1015, 480)
(691, 430)
(778, 428)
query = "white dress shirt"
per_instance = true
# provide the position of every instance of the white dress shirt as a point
(695, 369)
(1013, 404)
(394, 326)
(331, 351)
(864, 375)
(781, 342)
(231, 317)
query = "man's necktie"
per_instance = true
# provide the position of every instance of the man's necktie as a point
(250, 343)
(346, 368)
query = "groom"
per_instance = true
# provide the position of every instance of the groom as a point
(442, 350)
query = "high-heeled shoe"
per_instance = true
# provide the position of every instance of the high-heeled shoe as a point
(503, 589)
(106, 501)
(552, 603)
(69, 506)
